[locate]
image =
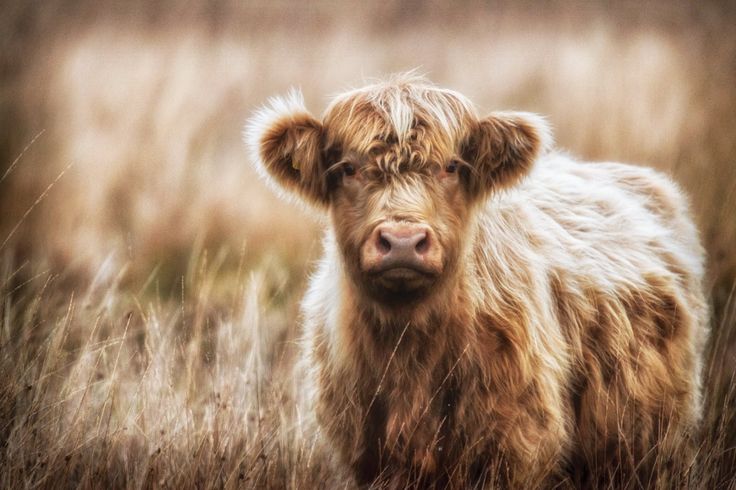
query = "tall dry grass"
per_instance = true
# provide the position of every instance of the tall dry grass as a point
(150, 282)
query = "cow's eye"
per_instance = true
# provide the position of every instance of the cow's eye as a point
(348, 169)
(451, 167)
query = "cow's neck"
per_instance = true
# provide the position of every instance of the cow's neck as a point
(424, 337)
(408, 371)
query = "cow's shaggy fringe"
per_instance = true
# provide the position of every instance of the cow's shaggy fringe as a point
(564, 339)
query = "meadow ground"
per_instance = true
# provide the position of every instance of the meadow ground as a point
(149, 282)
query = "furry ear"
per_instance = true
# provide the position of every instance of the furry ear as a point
(285, 144)
(502, 148)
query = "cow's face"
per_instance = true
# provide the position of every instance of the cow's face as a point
(399, 218)
(400, 168)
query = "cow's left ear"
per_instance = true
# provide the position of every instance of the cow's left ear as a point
(285, 143)
(502, 148)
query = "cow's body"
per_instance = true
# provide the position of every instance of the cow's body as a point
(565, 342)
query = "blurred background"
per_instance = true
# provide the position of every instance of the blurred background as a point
(141, 107)
(134, 230)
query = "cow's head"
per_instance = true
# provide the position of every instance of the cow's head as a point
(399, 166)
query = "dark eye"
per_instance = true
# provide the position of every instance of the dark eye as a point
(348, 169)
(451, 167)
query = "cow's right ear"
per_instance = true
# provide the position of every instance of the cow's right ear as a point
(285, 145)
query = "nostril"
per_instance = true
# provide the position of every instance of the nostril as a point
(384, 246)
(422, 245)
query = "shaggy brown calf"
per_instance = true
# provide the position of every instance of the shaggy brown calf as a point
(488, 311)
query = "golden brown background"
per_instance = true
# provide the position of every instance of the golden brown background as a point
(149, 281)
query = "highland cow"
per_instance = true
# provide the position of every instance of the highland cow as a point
(487, 310)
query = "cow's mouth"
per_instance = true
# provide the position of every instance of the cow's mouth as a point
(401, 284)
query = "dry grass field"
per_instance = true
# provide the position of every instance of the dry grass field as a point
(149, 282)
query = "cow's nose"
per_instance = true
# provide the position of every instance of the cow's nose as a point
(402, 241)
(402, 245)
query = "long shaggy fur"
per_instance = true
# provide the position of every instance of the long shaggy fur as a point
(564, 339)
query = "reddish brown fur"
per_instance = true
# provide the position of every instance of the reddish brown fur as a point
(561, 336)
